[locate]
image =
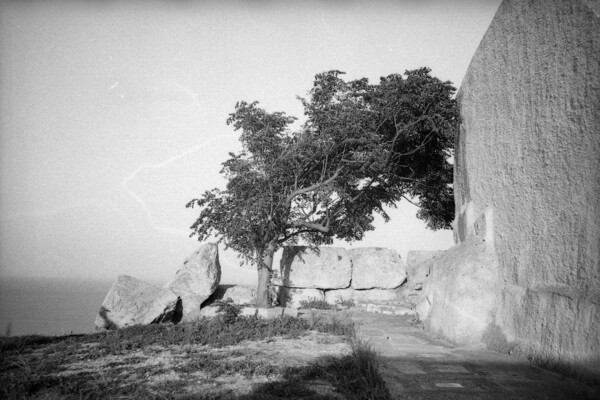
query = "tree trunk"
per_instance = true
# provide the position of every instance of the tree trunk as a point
(265, 257)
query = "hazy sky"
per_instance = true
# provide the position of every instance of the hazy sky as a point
(112, 114)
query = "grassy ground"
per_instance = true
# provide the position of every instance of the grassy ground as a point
(228, 357)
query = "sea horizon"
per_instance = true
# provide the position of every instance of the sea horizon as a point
(54, 306)
(50, 306)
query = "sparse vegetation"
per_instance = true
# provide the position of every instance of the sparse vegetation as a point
(345, 303)
(230, 310)
(313, 303)
(194, 360)
(354, 376)
(316, 304)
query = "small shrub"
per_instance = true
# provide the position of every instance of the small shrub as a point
(230, 310)
(345, 303)
(316, 304)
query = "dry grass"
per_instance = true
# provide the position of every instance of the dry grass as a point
(223, 358)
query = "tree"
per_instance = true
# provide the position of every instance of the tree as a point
(361, 148)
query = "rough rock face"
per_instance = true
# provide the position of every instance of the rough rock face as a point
(415, 257)
(131, 301)
(198, 278)
(239, 294)
(376, 267)
(418, 267)
(526, 173)
(462, 291)
(324, 268)
(423, 308)
(291, 297)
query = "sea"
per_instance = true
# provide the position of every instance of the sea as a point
(49, 306)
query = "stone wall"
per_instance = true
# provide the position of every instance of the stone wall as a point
(527, 173)
(333, 274)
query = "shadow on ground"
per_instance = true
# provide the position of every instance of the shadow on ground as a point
(464, 378)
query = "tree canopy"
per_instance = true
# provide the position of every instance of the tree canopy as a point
(361, 147)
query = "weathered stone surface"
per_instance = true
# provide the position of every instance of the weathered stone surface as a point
(239, 294)
(463, 292)
(291, 297)
(422, 308)
(131, 301)
(360, 296)
(376, 267)
(324, 268)
(406, 294)
(526, 172)
(418, 266)
(415, 257)
(198, 278)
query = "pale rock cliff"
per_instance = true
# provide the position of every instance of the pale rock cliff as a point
(527, 175)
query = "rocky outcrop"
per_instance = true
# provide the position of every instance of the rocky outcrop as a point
(198, 278)
(526, 176)
(376, 268)
(321, 268)
(131, 301)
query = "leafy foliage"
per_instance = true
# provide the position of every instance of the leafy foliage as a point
(362, 147)
(230, 310)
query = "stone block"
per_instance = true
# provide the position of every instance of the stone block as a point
(376, 267)
(322, 268)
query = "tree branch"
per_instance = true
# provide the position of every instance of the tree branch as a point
(314, 187)
(310, 225)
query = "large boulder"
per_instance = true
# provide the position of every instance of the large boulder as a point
(462, 292)
(321, 268)
(376, 267)
(198, 278)
(131, 301)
